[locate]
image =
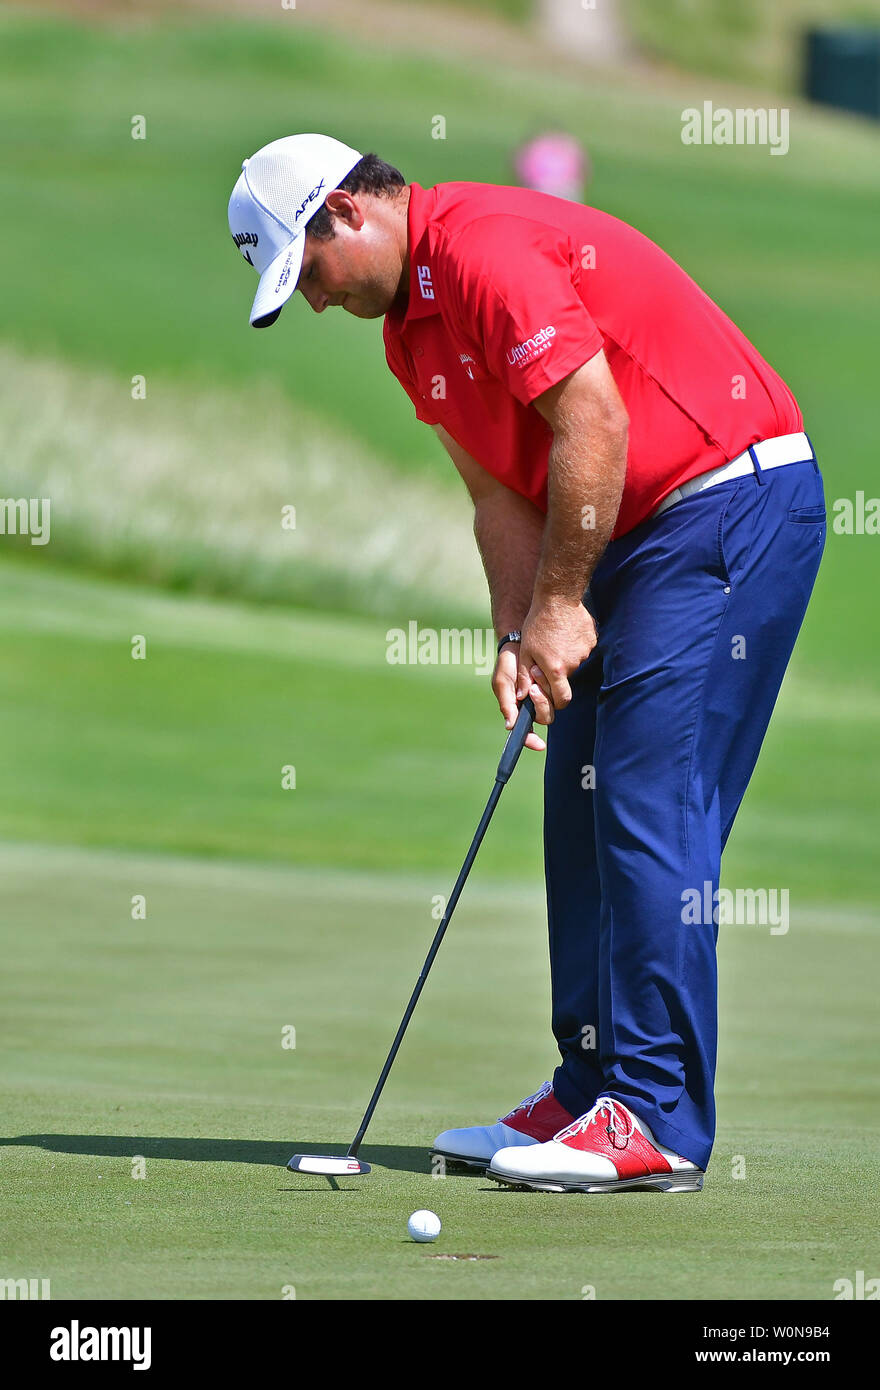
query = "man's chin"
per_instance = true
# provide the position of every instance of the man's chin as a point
(364, 308)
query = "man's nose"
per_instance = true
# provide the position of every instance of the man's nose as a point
(316, 298)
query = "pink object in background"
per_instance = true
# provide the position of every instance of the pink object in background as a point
(553, 163)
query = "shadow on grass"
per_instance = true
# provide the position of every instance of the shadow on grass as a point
(273, 1154)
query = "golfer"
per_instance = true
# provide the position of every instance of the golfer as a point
(650, 516)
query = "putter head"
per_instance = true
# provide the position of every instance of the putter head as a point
(328, 1165)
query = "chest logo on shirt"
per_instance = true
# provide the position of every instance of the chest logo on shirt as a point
(468, 363)
(522, 353)
(425, 285)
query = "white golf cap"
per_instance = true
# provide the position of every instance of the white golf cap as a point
(277, 191)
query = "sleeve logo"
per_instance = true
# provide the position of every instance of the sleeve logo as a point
(530, 348)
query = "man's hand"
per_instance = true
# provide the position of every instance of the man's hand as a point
(556, 638)
(504, 685)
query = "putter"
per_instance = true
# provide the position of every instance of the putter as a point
(349, 1165)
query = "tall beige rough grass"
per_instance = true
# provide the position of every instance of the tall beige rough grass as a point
(187, 488)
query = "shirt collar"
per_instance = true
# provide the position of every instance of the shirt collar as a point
(421, 287)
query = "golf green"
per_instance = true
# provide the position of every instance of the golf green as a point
(166, 1037)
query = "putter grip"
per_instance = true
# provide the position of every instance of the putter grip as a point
(515, 740)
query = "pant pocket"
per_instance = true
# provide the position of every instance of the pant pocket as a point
(736, 525)
(807, 515)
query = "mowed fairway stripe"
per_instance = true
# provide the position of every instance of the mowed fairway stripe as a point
(229, 955)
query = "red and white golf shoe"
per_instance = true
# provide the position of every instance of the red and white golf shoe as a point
(535, 1119)
(607, 1150)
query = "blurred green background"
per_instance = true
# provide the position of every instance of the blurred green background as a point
(267, 647)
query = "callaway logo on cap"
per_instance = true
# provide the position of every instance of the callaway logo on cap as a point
(277, 191)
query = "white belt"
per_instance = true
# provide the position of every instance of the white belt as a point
(770, 453)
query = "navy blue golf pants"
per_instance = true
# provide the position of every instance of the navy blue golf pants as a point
(697, 612)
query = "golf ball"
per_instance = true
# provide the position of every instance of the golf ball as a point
(423, 1226)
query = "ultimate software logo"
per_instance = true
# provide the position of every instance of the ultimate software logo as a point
(522, 353)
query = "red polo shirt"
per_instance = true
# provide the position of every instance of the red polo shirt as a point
(511, 290)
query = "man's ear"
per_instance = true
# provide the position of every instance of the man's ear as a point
(345, 208)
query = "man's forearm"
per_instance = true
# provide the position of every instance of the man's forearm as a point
(586, 472)
(508, 531)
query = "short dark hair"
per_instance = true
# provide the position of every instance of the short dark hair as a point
(370, 175)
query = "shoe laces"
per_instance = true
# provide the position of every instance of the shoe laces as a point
(620, 1123)
(530, 1102)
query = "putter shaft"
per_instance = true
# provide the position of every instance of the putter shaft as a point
(509, 757)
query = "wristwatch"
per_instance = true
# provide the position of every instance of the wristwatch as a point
(509, 637)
